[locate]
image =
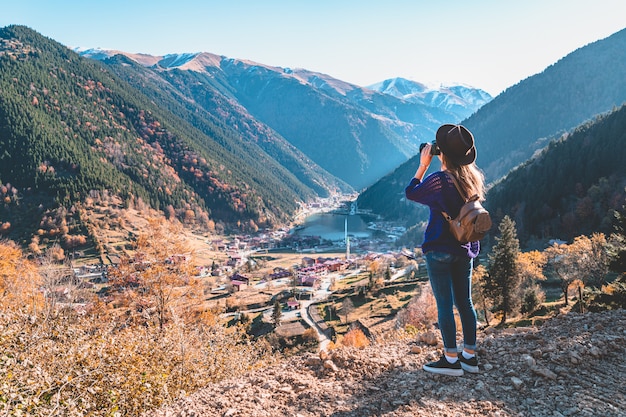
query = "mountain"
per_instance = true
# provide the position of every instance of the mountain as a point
(354, 133)
(182, 93)
(526, 116)
(570, 188)
(70, 130)
(524, 119)
(461, 100)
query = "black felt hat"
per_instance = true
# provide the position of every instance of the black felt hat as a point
(456, 143)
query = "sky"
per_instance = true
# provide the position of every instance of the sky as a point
(488, 44)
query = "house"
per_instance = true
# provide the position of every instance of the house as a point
(240, 278)
(307, 261)
(280, 273)
(219, 245)
(239, 282)
(312, 281)
(335, 265)
(239, 285)
(234, 260)
(313, 270)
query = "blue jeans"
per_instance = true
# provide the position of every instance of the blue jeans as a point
(451, 280)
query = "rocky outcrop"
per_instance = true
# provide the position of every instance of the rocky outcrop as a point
(573, 365)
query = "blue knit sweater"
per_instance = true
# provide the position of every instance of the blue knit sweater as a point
(438, 192)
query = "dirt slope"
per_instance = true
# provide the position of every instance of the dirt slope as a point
(571, 366)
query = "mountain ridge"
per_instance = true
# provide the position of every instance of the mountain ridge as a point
(70, 127)
(374, 131)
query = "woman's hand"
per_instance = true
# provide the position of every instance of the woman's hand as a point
(425, 159)
(425, 156)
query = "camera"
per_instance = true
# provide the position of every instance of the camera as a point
(434, 149)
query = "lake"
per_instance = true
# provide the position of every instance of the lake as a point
(332, 226)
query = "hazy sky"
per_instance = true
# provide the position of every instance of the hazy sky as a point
(489, 44)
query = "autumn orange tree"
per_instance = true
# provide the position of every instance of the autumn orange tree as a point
(19, 280)
(584, 261)
(530, 267)
(157, 282)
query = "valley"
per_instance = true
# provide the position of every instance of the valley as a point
(245, 274)
(154, 240)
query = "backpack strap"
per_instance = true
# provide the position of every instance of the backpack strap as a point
(458, 188)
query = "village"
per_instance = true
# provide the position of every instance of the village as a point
(246, 275)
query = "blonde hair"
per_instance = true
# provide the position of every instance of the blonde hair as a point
(470, 177)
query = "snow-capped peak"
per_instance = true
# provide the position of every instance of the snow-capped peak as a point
(458, 98)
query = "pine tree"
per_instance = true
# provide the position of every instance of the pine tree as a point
(277, 313)
(503, 282)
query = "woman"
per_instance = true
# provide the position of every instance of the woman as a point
(449, 262)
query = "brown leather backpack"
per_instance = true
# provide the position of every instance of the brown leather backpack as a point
(473, 221)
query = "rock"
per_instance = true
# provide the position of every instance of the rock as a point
(490, 330)
(528, 360)
(328, 364)
(575, 358)
(313, 361)
(517, 383)
(544, 372)
(416, 349)
(537, 353)
(429, 338)
(595, 352)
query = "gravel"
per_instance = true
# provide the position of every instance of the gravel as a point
(570, 366)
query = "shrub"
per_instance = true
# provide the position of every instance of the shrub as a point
(532, 298)
(97, 360)
(612, 296)
(420, 313)
(355, 338)
(75, 365)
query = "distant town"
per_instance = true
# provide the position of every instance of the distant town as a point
(250, 272)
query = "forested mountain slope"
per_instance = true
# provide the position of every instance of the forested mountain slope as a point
(185, 94)
(69, 126)
(585, 83)
(354, 133)
(573, 187)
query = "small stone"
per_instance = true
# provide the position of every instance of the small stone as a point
(595, 352)
(328, 364)
(575, 358)
(517, 383)
(528, 360)
(544, 372)
(313, 361)
(416, 349)
(286, 389)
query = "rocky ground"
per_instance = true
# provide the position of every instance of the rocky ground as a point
(573, 365)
